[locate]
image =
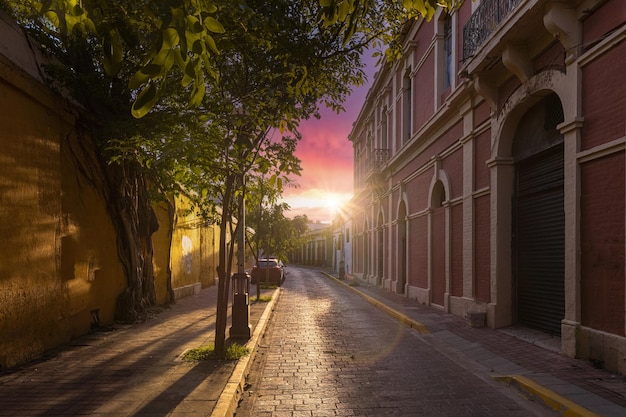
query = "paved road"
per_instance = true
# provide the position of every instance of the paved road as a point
(327, 352)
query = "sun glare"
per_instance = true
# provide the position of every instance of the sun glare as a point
(332, 202)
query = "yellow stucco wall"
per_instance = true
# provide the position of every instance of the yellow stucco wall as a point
(193, 251)
(161, 254)
(192, 256)
(59, 269)
(30, 203)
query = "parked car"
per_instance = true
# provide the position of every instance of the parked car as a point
(270, 270)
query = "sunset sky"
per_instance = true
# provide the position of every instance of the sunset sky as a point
(327, 161)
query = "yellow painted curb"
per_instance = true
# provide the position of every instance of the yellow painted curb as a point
(550, 398)
(414, 324)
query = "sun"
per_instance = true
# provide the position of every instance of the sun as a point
(332, 202)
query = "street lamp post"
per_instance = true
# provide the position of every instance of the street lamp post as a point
(240, 328)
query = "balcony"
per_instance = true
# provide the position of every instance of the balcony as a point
(376, 161)
(379, 157)
(483, 22)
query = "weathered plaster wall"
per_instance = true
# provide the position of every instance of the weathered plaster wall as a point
(59, 271)
(190, 253)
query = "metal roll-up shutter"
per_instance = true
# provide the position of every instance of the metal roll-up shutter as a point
(539, 241)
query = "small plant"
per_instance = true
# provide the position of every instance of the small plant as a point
(234, 351)
(263, 299)
(202, 353)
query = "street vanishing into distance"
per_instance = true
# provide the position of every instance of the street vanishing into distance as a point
(328, 352)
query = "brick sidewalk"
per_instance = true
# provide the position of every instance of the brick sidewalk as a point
(131, 370)
(512, 351)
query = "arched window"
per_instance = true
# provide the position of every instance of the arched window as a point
(439, 195)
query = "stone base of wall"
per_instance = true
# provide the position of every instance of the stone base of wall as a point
(469, 309)
(421, 295)
(187, 290)
(604, 350)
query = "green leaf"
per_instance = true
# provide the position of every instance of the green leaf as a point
(193, 24)
(53, 17)
(213, 25)
(170, 38)
(137, 80)
(178, 58)
(113, 53)
(197, 93)
(77, 10)
(146, 99)
(190, 69)
(198, 47)
(211, 42)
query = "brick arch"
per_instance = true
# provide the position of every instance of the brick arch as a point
(502, 172)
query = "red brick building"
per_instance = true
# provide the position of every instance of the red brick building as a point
(490, 171)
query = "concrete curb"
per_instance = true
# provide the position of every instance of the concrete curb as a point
(551, 399)
(229, 398)
(414, 324)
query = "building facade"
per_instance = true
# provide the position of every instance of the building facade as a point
(490, 171)
(316, 249)
(342, 246)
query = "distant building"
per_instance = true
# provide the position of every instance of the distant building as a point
(342, 246)
(317, 249)
(490, 170)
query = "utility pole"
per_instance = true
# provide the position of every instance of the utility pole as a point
(240, 328)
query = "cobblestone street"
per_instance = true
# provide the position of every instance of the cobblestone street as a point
(327, 352)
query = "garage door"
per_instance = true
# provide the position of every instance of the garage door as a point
(539, 241)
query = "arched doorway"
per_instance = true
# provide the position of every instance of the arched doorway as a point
(402, 248)
(438, 244)
(538, 229)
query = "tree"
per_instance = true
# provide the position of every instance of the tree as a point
(189, 95)
(178, 36)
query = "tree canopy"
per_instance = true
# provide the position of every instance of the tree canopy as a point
(193, 96)
(144, 42)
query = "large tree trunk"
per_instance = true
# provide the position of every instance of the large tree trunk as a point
(136, 222)
(125, 193)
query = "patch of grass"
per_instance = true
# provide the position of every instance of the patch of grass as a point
(202, 353)
(234, 351)
(268, 286)
(354, 284)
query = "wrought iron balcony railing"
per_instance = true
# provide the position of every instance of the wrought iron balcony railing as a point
(375, 162)
(483, 22)
(379, 157)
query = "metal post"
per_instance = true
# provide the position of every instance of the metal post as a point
(240, 328)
